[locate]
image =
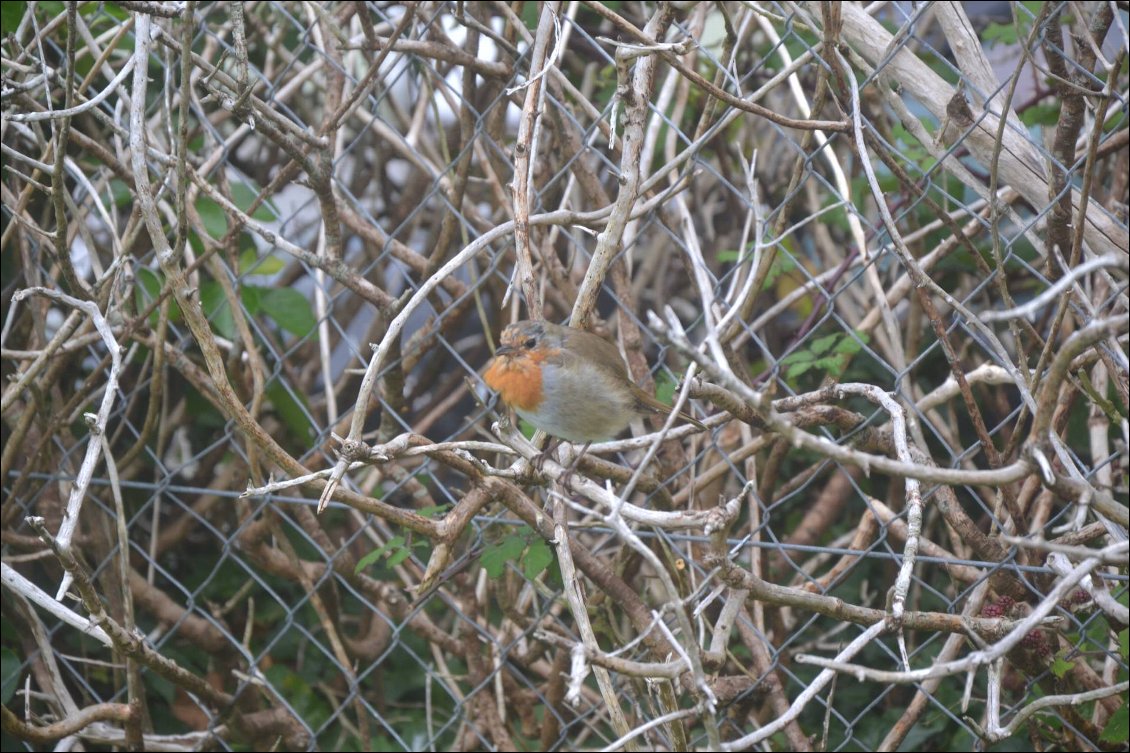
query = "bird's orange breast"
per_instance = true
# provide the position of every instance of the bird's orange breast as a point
(517, 380)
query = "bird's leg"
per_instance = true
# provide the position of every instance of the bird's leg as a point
(547, 452)
(564, 480)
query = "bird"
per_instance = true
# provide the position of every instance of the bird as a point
(570, 383)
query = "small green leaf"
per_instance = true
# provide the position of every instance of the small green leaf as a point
(537, 558)
(10, 672)
(10, 16)
(290, 310)
(149, 283)
(851, 345)
(398, 556)
(292, 409)
(160, 687)
(781, 264)
(213, 217)
(396, 542)
(1061, 666)
(148, 289)
(432, 511)
(1117, 728)
(798, 356)
(1041, 115)
(244, 194)
(797, 369)
(821, 344)
(832, 364)
(1002, 34)
(530, 16)
(120, 192)
(51, 8)
(665, 389)
(251, 297)
(216, 308)
(111, 9)
(204, 414)
(494, 558)
(251, 264)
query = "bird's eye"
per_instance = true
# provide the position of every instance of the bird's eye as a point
(530, 342)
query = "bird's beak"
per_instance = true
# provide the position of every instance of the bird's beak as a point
(504, 350)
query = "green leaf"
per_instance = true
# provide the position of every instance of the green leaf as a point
(798, 362)
(213, 217)
(10, 16)
(432, 511)
(530, 16)
(851, 345)
(494, 558)
(781, 264)
(1117, 728)
(526, 428)
(821, 344)
(251, 296)
(797, 369)
(148, 289)
(111, 9)
(1061, 666)
(290, 310)
(396, 542)
(832, 364)
(251, 264)
(149, 285)
(291, 409)
(537, 558)
(797, 356)
(299, 692)
(121, 194)
(216, 309)
(204, 414)
(1003, 34)
(829, 353)
(50, 9)
(398, 556)
(384, 742)
(1042, 114)
(665, 389)
(160, 687)
(10, 672)
(243, 194)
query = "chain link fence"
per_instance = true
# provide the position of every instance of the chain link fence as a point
(256, 257)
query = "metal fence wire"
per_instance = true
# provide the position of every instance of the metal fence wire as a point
(256, 257)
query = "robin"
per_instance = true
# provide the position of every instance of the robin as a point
(569, 383)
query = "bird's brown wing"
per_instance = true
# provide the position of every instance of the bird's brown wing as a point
(609, 354)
